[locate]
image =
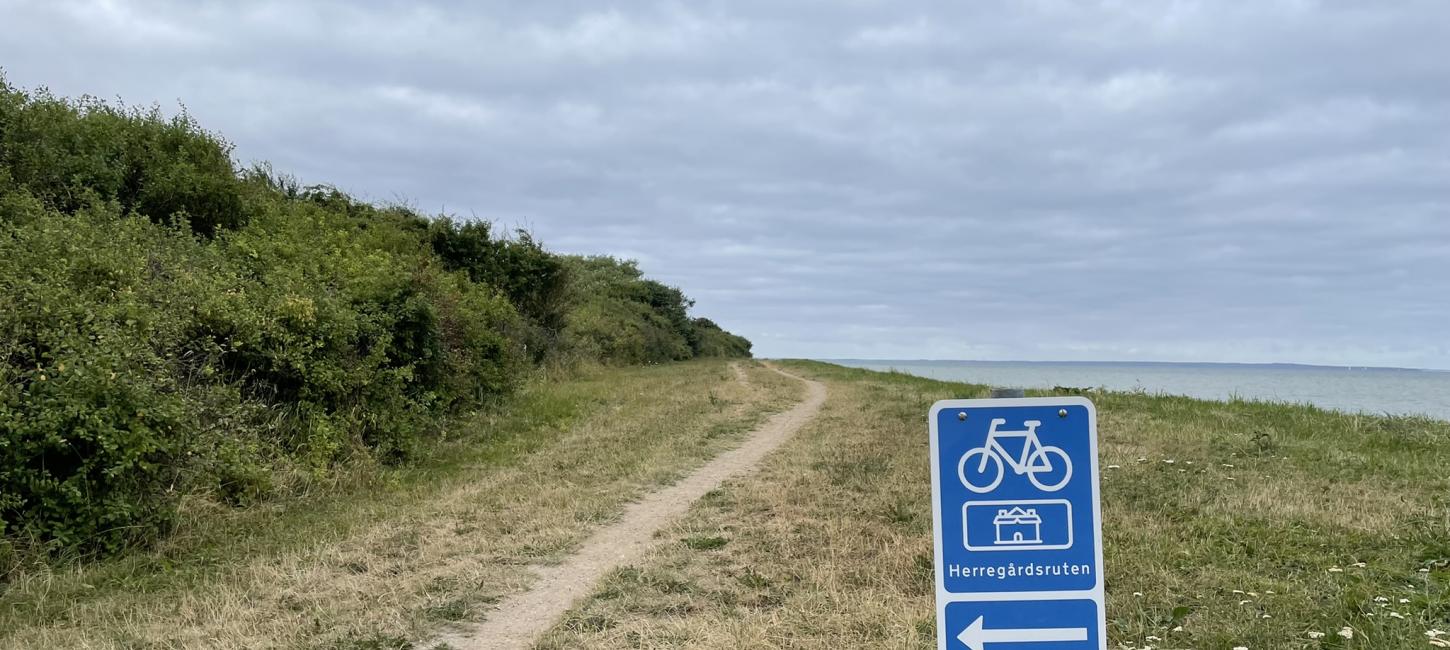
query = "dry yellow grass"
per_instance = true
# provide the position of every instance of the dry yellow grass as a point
(828, 545)
(521, 618)
(386, 567)
(1271, 522)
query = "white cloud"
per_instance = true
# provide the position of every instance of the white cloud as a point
(1130, 90)
(440, 106)
(1120, 180)
(605, 36)
(915, 32)
(129, 24)
(1334, 117)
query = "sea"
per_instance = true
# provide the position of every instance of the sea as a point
(1393, 391)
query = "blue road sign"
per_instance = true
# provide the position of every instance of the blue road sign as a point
(1018, 524)
(1024, 625)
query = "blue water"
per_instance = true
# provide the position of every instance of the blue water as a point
(1367, 390)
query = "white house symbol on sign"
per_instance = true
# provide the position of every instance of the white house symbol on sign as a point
(1018, 526)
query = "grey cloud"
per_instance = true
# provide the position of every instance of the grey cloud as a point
(1189, 180)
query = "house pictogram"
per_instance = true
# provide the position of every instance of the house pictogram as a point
(1018, 526)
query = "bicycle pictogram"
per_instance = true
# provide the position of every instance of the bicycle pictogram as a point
(1036, 458)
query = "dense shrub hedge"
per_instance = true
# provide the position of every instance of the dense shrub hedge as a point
(713, 341)
(69, 153)
(619, 316)
(174, 326)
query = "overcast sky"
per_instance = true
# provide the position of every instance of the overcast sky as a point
(1216, 181)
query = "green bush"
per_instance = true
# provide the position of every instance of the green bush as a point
(174, 327)
(67, 153)
(712, 341)
(619, 316)
(92, 410)
(126, 341)
(533, 279)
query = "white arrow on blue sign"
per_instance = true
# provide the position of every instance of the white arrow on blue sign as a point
(1018, 524)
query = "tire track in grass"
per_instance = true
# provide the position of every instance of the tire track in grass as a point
(522, 618)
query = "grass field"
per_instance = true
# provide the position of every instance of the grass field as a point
(1226, 525)
(401, 552)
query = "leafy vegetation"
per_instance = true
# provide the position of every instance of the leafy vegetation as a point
(175, 325)
(391, 554)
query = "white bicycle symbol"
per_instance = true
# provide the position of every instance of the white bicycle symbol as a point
(1035, 458)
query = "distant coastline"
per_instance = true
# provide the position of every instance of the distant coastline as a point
(1134, 364)
(1351, 389)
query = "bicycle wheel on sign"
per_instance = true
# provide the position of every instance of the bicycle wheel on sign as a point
(980, 474)
(1049, 469)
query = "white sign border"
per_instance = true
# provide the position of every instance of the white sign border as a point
(943, 598)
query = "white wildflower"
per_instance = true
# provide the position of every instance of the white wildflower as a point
(1346, 632)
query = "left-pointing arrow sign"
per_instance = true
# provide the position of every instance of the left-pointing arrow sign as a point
(976, 635)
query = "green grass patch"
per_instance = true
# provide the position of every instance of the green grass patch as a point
(1226, 524)
(383, 551)
(705, 542)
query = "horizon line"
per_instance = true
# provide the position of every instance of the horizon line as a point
(1133, 362)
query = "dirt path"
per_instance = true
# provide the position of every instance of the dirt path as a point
(522, 618)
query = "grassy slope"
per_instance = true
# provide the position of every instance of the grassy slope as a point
(1270, 523)
(402, 551)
